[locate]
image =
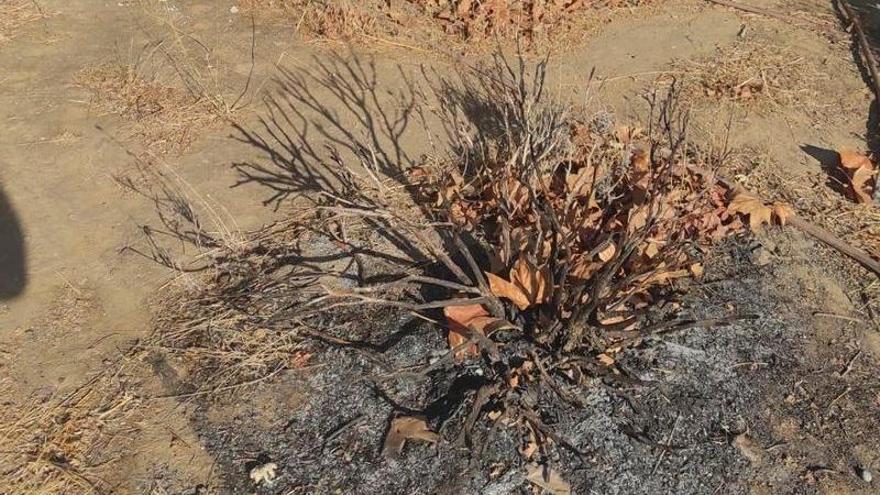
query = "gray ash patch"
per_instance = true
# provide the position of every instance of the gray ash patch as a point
(671, 423)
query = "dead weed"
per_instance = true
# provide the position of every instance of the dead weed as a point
(467, 24)
(15, 14)
(61, 444)
(761, 75)
(818, 199)
(166, 118)
(547, 243)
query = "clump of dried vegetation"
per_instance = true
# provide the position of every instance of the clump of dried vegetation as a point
(753, 73)
(548, 242)
(169, 94)
(416, 22)
(530, 20)
(838, 199)
(335, 21)
(15, 14)
(62, 444)
(166, 118)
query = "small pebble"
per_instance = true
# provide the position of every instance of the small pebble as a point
(865, 475)
(233, 10)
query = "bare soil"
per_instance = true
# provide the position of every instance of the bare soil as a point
(787, 403)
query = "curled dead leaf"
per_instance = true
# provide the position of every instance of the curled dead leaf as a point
(533, 281)
(508, 290)
(782, 212)
(405, 428)
(459, 320)
(860, 171)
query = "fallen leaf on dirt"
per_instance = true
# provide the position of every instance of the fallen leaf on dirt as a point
(547, 479)
(529, 450)
(696, 270)
(513, 380)
(860, 171)
(459, 320)
(746, 204)
(299, 359)
(405, 428)
(782, 212)
(759, 213)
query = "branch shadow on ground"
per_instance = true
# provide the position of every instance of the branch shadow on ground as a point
(829, 160)
(13, 275)
(337, 103)
(332, 112)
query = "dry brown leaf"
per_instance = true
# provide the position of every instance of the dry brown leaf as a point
(552, 482)
(460, 319)
(748, 448)
(513, 380)
(419, 174)
(508, 290)
(527, 286)
(531, 280)
(405, 428)
(782, 212)
(860, 171)
(759, 213)
(584, 269)
(529, 450)
(652, 249)
(696, 270)
(746, 204)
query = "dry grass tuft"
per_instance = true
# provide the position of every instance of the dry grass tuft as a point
(15, 14)
(166, 118)
(535, 21)
(59, 445)
(216, 323)
(220, 332)
(757, 74)
(344, 20)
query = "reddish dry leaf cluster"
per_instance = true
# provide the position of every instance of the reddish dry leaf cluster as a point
(611, 203)
(487, 18)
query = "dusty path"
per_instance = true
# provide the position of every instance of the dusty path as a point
(74, 220)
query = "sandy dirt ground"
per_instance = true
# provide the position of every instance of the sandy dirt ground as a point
(76, 294)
